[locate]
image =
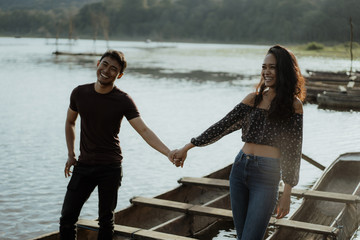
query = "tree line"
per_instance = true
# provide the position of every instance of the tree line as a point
(229, 21)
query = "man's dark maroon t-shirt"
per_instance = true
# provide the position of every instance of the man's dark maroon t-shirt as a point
(101, 116)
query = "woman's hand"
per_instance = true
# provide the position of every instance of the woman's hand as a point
(178, 156)
(283, 207)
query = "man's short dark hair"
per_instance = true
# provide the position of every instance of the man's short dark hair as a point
(118, 56)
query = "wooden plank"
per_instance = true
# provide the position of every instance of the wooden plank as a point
(209, 182)
(312, 161)
(334, 197)
(132, 232)
(227, 215)
(294, 192)
(309, 227)
(325, 196)
(184, 207)
(120, 229)
(211, 212)
(53, 235)
(149, 235)
(160, 203)
(319, 195)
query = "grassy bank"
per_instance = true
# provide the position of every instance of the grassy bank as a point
(331, 51)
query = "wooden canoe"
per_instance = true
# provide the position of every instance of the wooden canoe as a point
(339, 100)
(332, 77)
(342, 176)
(331, 82)
(77, 53)
(326, 73)
(197, 209)
(169, 221)
(315, 88)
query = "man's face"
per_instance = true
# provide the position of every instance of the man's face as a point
(108, 71)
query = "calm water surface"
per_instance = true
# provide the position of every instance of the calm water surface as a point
(180, 89)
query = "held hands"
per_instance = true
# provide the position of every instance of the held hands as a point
(178, 156)
(70, 162)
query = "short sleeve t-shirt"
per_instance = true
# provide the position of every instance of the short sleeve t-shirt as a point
(101, 116)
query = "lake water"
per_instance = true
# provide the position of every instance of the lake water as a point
(180, 90)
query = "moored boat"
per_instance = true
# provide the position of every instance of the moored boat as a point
(76, 53)
(339, 100)
(332, 77)
(162, 223)
(315, 88)
(343, 177)
(200, 207)
(333, 90)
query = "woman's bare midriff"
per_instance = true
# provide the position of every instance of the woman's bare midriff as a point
(261, 150)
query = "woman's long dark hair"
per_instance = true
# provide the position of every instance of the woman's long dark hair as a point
(289, 84)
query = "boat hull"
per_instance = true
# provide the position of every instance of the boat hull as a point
(172, 222)
(340, 177)
(339, 101)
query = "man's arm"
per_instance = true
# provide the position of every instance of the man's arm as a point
(70, 140)
(149, 136)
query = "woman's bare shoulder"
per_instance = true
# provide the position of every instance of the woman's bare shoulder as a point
(249, 99)
(298, 106)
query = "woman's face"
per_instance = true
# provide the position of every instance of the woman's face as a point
(268, 71)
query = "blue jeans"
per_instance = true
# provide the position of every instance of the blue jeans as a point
(83, 181)
(254, 185)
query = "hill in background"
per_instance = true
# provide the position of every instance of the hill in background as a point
(43, 4)
(226, 21)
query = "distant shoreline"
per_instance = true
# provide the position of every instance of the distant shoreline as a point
(341, 50)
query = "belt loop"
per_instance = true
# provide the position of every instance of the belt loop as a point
(241, 154)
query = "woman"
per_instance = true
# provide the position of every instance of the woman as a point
(271, 121)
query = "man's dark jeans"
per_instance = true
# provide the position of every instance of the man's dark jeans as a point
(83, 181)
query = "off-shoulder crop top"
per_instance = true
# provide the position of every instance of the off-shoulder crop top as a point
(285, 134)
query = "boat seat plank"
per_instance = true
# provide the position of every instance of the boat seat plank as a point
(183, 207)
(149, 235)
(133, 232)
(322, 195)
(121, 229)
(211, 212)
(227, 215)
(309, 227)
(319, 195)
(335, 197)
(164, 204)
(208, 182)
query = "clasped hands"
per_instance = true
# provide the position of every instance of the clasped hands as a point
(178, 156)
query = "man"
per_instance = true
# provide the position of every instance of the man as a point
(101, 106)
